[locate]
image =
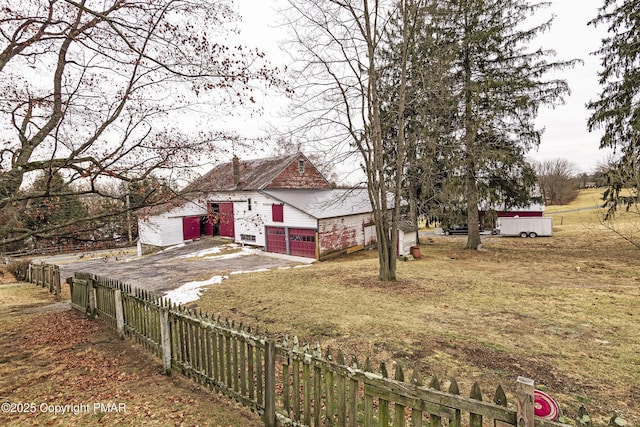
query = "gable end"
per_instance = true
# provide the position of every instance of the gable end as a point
(299, 174)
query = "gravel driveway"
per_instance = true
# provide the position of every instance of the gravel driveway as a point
(172, 268)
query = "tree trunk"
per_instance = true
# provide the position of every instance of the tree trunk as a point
(471, 129)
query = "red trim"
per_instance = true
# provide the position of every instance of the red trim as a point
(523, 214)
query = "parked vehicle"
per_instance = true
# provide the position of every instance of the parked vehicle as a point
(456, 229)
(524, 226)
(459, 229)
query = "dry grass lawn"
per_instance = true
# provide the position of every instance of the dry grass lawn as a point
(562, 310)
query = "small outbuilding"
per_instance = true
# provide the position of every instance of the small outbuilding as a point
(283, 204)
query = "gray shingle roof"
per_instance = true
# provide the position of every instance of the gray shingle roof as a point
(255, 174)
(323, 204)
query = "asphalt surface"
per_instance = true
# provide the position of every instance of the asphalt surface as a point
(171, 268)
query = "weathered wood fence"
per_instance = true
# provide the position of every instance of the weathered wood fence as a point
(291, 384)
(45, 275)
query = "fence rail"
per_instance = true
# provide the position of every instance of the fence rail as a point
(291, 384)
(46, 276)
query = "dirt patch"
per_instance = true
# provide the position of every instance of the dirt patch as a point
(507, 366)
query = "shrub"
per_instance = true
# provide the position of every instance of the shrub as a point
(19, 268)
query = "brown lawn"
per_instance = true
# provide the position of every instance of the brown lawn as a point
(564, 311)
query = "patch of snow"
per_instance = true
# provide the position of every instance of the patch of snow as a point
(213, 252)
(259, 270)
(191, 291)
(170, 248)
(203, 253)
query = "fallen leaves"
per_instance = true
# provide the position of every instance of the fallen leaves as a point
(60, 360)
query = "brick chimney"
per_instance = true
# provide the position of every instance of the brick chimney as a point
(236, 170)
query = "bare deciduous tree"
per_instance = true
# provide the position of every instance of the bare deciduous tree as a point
(558, 181)
(113, 89)
(339, 66)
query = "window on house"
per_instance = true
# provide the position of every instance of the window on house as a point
(248, 237)
(301, 166)
(277, 213)
(249, 204)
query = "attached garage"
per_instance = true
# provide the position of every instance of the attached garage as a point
(276, 240)
(302, 242)
(291, 241)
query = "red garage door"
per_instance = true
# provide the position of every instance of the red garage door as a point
(191, 227)
(276, 241)
(302, 242)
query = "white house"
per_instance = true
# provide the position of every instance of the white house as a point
(283, 204)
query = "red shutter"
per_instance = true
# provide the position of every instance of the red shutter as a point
(277, 213)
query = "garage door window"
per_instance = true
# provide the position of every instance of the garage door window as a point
(302, 238)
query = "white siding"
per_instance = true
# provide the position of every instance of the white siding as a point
(160, 231)
(405, 241)
(370, 235)
(342, 233)
(166, 229)
(253, 222)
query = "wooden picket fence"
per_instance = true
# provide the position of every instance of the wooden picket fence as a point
(291, 384)
(45, 275)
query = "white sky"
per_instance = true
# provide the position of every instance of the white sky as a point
(566, 134)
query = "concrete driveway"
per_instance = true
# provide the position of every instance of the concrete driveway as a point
(171, 269)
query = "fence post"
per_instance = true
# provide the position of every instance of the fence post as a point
(30, 273)
(524, 402)
(165, 339)
(92, 300)
(119, 313)
(56, 278)
(49, 277)
(270, 383)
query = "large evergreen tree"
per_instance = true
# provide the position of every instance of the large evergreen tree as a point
(502, 81)
(429, 117)
(474, 86)
(617, 110)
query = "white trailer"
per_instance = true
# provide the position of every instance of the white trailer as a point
(524, 226)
